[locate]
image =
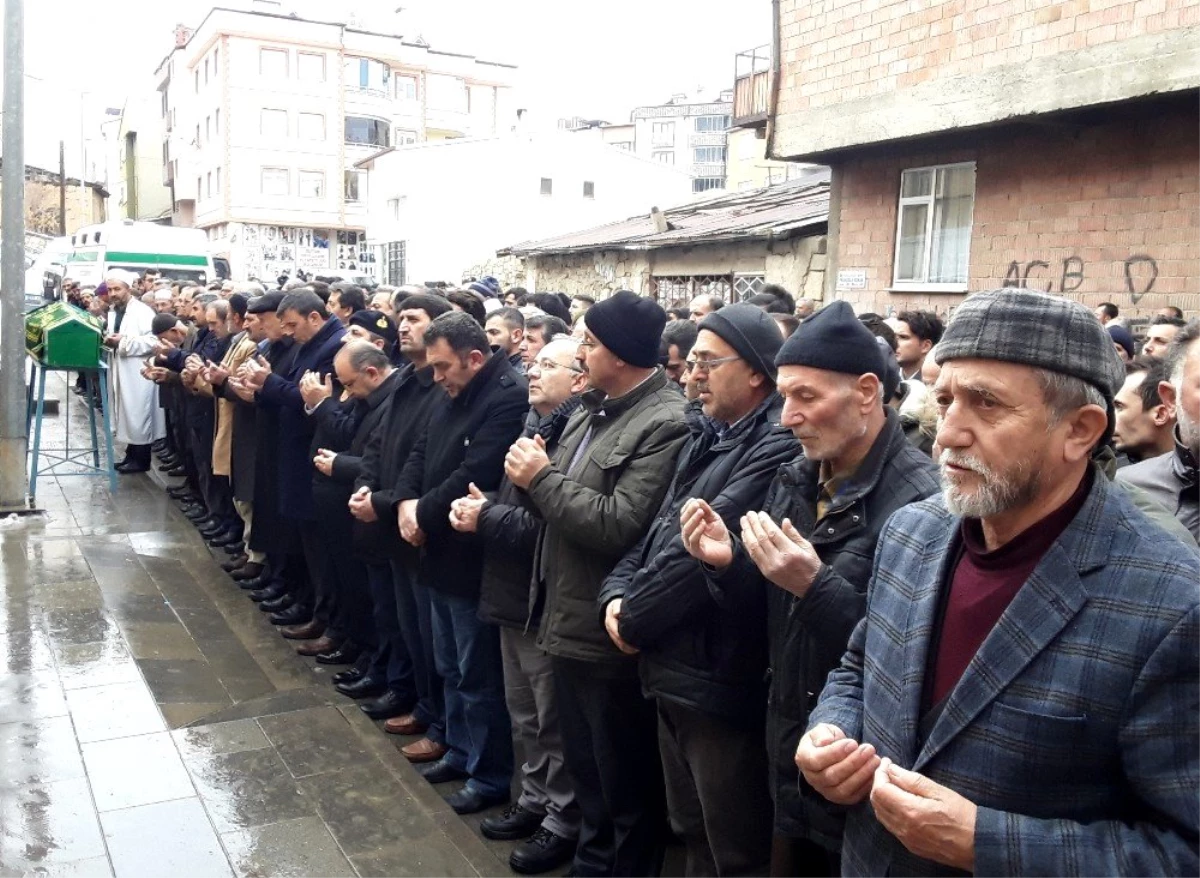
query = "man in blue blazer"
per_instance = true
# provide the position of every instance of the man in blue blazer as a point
(1022, 696)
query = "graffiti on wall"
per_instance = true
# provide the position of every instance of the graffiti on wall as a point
(1141, 271)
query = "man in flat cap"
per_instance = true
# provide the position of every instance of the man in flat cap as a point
(1022, 696)
(806, 550)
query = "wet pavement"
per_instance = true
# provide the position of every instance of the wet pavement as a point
(152, 722)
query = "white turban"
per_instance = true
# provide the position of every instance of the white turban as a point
(120, 275)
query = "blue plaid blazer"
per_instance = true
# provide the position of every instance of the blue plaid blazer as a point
(1076, 727)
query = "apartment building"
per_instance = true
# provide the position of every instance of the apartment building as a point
(984, 143)
(689, 133)
(266, 116)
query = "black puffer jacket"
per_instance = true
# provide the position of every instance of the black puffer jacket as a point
(509, 527)
(807, 636)
(694, 652)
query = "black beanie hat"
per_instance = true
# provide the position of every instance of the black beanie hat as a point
(162, 323)
(628, 325)
(751, 332)
(376, 323)
(835, 340)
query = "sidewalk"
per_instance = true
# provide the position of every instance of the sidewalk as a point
(153, 723)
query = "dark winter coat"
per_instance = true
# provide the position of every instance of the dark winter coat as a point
(694, 652)
(465, 441)
(807, 636)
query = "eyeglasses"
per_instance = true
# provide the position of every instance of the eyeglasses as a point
(588, 344)
(709, 365)
(551, 366)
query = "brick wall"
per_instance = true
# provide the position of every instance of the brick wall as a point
(841, 50)
(1090, 202)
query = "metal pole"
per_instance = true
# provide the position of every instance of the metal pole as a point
(13, 437)
(62, 188)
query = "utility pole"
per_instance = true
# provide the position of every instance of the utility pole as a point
(13, 438)
(62, 188)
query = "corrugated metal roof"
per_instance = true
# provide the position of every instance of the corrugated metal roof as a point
(774, 212)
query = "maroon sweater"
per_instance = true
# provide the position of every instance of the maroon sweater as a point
(984, 583)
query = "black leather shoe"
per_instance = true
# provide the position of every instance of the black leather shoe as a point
(176, 472)
(131, 468)
(180, 493)
(234, 548)
(236, 563)
(211, 530)
(364, 687)
(387, 705)
(277, 604)
(258, 583)
(195, 513)
(440, 772)
(514, 823)
(544, 852)
(219, 539)
(296, 614)
(346, 654)
(268, 591)
(227, 540)
(350, 675)
(468, 801)
(169, 462)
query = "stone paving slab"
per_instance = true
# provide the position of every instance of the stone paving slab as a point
(152, 722)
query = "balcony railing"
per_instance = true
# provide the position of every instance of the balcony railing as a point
(752, 87)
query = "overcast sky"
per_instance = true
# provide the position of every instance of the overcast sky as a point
(596, 60)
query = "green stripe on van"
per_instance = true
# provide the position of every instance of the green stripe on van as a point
(155, 258)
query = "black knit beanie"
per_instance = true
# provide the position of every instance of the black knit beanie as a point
(751, 332)
(628, 325)
(835, 340)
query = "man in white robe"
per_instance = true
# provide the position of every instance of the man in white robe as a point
(137, 417)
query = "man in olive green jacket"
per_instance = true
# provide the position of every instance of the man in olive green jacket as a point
(598, 497)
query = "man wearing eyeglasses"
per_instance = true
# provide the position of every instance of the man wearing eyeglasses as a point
(705, 661)
(545, 813)
(598, 495)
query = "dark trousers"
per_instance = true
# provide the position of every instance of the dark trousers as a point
(218, 498)
(344, 577)
(478, 730)
(320, 596)
(801, 858)
(414, 611)
(717, 795)
(611, 751)
(390, 659)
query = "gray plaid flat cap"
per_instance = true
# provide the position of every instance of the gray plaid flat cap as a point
(1034, 329)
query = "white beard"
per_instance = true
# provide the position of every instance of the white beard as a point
(997, 493)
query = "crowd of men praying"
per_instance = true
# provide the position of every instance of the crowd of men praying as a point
(804, 591)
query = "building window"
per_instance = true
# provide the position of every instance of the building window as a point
(217, 123)
(406, 88)
(933, 226)
(199, 187)
(396, 257)
(747, 285)
(367, 132)
(310, 126)
(712, 123)
(364, 74)
(310, 67)
(206, 71)
(704, 184)
(311, 184)
(207, 129)
(547, 186)
(275, 181)
(216, 57)
(626, 145)
(208, 180)
(662, 133)
(197, 134)
(273, 63)
(681, 289)
(709, 155)
(404, 136)
(589, 189)
(665, 156)
(356, 186)
(218, 181)
(197, 80)
(274, 123)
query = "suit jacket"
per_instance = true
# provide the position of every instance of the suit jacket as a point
(1076, 727)
(241, 348)
(282, 391)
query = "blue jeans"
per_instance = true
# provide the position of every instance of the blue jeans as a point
(478, 730)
